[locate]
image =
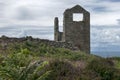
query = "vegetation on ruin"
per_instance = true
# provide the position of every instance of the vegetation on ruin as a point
(31, 60)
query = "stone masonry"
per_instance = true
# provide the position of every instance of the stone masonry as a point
(75, 32)
(5, 41)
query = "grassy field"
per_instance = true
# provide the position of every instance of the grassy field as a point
(31, 60)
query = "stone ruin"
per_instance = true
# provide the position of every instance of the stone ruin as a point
(75, 35)
(77, 31)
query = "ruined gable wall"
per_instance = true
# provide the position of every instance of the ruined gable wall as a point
(77, 32)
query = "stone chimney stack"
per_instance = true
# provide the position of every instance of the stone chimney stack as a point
(56, 29)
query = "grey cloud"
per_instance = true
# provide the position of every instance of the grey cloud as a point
(113, 0)
(107, 0)
(99, 9)
(22, 30)
(24, 13)
(2, 5)
(50, 9)
(118, 21)
(105, 34)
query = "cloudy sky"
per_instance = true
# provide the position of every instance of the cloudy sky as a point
(42, 12)
(35, 17)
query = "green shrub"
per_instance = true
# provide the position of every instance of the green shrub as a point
(33, 60)
(102, 68)
(62, 70)
(21, 67)
(116, 61)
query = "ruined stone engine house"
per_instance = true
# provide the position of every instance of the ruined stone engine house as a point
(76, 32)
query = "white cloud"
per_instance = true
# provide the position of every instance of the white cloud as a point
(104, 19)
(40, 12)
(106, 34)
